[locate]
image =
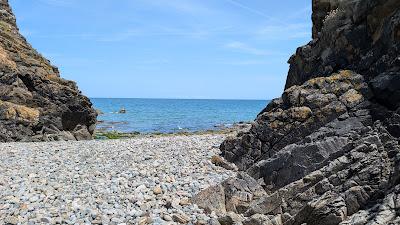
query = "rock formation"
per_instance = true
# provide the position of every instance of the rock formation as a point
(359, 35)
(326, 152)
(35, 103)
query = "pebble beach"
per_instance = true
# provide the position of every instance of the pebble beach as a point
(145, 180)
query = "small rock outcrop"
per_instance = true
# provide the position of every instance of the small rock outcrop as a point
(327, 151)
(35, 103)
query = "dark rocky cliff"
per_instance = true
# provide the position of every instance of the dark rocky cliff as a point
(361, 35)
(327, 151)
(35, 103)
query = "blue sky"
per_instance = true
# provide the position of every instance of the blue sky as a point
(213, 49)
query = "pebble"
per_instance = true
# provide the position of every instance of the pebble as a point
(181, 218)
(45, 220)
(109, 181)
(167, 218)
(34, 198)
(184, 201)
(201, 222)
(11, 220)
(157, 190)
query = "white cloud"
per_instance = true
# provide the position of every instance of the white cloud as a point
(273, 29)
(113, 37)
(245, 48)
(124, 35)
(279, 28)
(289, 31)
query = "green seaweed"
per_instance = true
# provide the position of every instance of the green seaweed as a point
(112, 135)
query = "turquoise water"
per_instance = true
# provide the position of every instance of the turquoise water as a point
(173, 115)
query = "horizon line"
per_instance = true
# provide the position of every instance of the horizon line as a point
(161, 98)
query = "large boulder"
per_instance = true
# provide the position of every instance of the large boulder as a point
(35, 103)
(233, 195)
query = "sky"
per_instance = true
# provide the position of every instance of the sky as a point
(201, 49)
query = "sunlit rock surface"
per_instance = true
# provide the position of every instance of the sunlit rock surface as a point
(327, 151)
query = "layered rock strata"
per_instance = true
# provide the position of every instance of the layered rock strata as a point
(327, 151)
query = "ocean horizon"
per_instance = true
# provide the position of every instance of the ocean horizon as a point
(171, 115)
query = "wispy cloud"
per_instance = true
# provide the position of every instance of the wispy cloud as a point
(274, 29)
(151, 61)
(125, 35)
(85, 36)
(290, 31)
(117, 37)
(59, 3)
(279, 28)
(302, 13)
(129, 34)
(82, 61)
(186, 6)
(248, 9)
(245, 48)
(247, 62)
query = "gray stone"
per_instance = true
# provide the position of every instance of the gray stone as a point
(257, 219)
(181, 218)
(167, 218)
(12, 220)
(211, 199)
(230, 219)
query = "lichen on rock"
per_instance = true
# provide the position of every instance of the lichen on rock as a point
(19, 113)
(327, 151)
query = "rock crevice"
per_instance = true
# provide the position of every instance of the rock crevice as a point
(327, 151)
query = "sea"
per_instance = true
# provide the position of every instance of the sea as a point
(173, 115)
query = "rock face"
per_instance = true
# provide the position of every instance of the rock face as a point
(35, 103)
(359, 35)
(327, 151)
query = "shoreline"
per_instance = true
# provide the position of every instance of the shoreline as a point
(100, 134)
